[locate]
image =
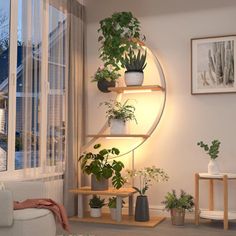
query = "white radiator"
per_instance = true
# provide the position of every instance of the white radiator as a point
(54, 189)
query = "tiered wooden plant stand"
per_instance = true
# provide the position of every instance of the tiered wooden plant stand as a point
(106, 219)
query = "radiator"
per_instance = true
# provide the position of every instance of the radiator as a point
(54, 189)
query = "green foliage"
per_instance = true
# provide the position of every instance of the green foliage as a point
(146, 176)
(213, 150)
(96, 202)
(184, 201)
(97, 164)
(116, 36)
(112, 202)
(117, 110)
(105, 73)
(135, 61)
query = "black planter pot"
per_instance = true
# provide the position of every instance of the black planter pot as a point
(99, 185)
(103, 85)
(141, 209)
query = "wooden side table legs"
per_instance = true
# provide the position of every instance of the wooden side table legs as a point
(211, 195)
(225, 183)
(196, 199)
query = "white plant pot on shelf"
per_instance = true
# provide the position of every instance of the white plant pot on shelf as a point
(118, 127)
(133, 78)
(213, 168)
(95, 212)
(113, 213)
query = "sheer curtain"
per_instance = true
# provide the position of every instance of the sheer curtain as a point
(75, 100)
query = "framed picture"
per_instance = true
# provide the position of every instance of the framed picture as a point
(213, 65)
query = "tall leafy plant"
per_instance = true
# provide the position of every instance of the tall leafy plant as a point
(212, 150)
(118, 34)
(98, 165)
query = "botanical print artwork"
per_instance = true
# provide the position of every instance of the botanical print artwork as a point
(213, 65)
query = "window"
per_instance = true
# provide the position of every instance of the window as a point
(38, 82)
(4, 74)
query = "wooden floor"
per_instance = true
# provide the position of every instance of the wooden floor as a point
(126, 220)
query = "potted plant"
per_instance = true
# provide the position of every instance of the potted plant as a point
(178, 205)
(145, 176)
(96, 203)
(105, 77)
(212, 151)
(112, 207)
(135, 64)
(101, 170)
(118, 34)
(118, 114)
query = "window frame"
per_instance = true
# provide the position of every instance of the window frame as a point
(10, 172)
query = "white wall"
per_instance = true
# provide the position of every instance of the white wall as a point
(169, 25)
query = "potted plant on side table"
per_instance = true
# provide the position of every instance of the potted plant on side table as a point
(178, 205)
(213, 152)
(145, 176)
(96, 203)
(118, 114)
(112, 207)
(97, 164)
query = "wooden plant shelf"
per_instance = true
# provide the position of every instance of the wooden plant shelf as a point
(138, 88)
(126, 220)
(118, 136)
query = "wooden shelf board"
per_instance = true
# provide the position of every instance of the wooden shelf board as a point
(122, 192)
(216, 215)
(118, 136)
(140, 88)
(126, 220)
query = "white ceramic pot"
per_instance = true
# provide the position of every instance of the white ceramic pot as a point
(113, 213)
(133, 78)
(118, 126)
(95, 212)
(213, 168)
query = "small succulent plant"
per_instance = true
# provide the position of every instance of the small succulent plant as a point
(135, 61)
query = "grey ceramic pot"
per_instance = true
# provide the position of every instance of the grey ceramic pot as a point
(99, 185)
(141, 209)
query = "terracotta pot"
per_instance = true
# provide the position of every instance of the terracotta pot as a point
(177, 216)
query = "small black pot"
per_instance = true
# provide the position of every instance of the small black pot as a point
(141, 209)
(103, 85)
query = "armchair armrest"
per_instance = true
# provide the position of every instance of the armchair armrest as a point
(6, 208)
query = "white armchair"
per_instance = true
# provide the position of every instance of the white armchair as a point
(26, 222)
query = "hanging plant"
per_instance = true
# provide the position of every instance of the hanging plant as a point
(119, 33)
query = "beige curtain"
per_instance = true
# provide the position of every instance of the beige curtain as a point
(75, 101)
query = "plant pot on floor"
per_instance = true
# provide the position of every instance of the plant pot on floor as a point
(103, 85)
(118, 126)
(133, 78)
(213, 168)
(177, 216)
(95, 212)
(101, 185)
(141, 209)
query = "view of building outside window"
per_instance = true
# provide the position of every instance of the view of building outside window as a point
(4, 76)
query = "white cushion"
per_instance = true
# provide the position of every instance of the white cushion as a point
(30, 213)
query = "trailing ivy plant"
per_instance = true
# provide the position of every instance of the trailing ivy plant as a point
(98, 165)
(118, 34)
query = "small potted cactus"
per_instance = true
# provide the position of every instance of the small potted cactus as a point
(135, 63)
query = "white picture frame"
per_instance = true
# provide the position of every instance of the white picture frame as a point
(213, 65)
